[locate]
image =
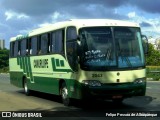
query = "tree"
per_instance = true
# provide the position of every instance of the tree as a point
(157, 43)
(4, 59)
(153, 56)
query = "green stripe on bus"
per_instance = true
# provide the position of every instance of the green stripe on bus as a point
(18, 60)
(30, 70)
(27, 66)
(57, 63)
(58, 70)
(23, 62)
(62, 63)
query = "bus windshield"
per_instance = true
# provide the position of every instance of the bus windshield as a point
(111, 48)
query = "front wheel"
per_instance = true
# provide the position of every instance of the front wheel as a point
(26, 90)
(64, 94)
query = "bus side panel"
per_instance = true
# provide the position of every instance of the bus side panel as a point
(16, 73)
(45, 84)
(46, 71)
(16, 79)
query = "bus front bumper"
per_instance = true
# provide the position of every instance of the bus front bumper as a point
(111, 91)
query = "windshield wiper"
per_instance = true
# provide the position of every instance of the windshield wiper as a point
(108, 54)
(126, 59)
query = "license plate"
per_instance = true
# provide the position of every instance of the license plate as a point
(117, 96)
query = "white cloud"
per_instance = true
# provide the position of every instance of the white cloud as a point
(131, 14)
(153, 27)
(12, 15)
(56, 15)
(8, 15)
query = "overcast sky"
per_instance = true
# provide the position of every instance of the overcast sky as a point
(21, 16)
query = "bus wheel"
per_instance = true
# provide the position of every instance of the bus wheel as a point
(26, 90)
(64, 94)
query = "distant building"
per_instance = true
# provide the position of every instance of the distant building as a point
(2, 44)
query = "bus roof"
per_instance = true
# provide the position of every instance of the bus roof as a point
(78, 23)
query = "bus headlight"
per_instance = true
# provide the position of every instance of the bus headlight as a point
(91, 83)
(140, 80)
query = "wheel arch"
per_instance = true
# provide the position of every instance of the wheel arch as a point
(23, 78)
(61, 81)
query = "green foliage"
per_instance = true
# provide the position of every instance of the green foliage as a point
(153, 57)
(4, 60)
(153, 72)
(153, 63)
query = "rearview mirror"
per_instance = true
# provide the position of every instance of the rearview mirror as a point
(145, 43)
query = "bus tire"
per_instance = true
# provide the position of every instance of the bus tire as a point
(25, 86)
(64, 95)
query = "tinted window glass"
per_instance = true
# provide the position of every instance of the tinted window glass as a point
(23, 47)
(16, 49)
(71, 33)
(12, 49)
(34, 46)
(53, 43)
(57, 41)
(44, 44)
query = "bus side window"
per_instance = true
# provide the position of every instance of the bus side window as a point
(57, 41)
(12, 44)
(60, 41)
(71, 33)
(34, 46)
(19, 48)
(23, 47)
(16, 49)
(53, 42)
(44, 43)
(29, 47)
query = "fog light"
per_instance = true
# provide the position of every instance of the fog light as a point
(140, 80)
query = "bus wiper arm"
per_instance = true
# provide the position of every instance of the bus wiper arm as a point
(126, 60)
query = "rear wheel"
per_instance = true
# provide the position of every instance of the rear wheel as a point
(64, 94)
(26, 90)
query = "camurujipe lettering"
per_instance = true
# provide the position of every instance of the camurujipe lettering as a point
(41, 63)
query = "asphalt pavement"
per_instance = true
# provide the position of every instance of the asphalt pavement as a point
(14, 99)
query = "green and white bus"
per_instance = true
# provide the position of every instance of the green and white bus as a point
(81, 59)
